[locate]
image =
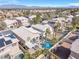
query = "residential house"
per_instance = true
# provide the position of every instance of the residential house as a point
(9, 47)
(29, 38)
(32, 16)
(11, 24)
(75, 50)
(43, 27)
(24, 21)
(77, 15)
(67, 48)
(64, 22)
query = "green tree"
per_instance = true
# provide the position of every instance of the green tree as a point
(2, 25)
(54, 40)
(57, 26)
(49, 16)
(26, 13)
(55, 30)
(26, 56)
(45, 51)
(48, 31)
(75, 22)
(37, 19)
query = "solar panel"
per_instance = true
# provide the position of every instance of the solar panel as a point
(0, 34)
(12, 36)
(8, 42)
(2, 39)
(2, 43)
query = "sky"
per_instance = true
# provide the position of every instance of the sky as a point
(44, 3)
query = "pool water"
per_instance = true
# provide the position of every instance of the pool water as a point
(46, 44)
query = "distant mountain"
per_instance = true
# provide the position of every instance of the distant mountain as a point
(73, 6)
(67, 7)
(20, 7)
(31, 7)
(12, 6)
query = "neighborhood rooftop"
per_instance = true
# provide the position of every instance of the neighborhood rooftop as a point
(25, 32)
(6, 38)
(69, 46)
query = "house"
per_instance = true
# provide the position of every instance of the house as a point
(77, 15)
(68, 21)
(64, 22)
(67, 48)
(11, 24)
(45, 22)
(59, 19)
(9, 47)
(28, 37)
(70, 16)
(32, 16)
(23, 20)
(75, 50)
(43, 27)
(27, 34)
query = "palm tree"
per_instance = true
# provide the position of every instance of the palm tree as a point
(55, 30)
(45, 52)
(47, 32)
(56, 27)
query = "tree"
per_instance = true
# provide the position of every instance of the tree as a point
(37, 19)
(26, 56)
(57, 26)
(55, 30)
(75, 22)
(49, 16)
(26, 13)
(2, 18)
(45, 51)
(73, 12)
(54, 40)
(2, 25)
(48, 31)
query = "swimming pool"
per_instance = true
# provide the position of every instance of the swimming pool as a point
(46, 44)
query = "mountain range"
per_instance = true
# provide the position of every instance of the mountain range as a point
(30, 7)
